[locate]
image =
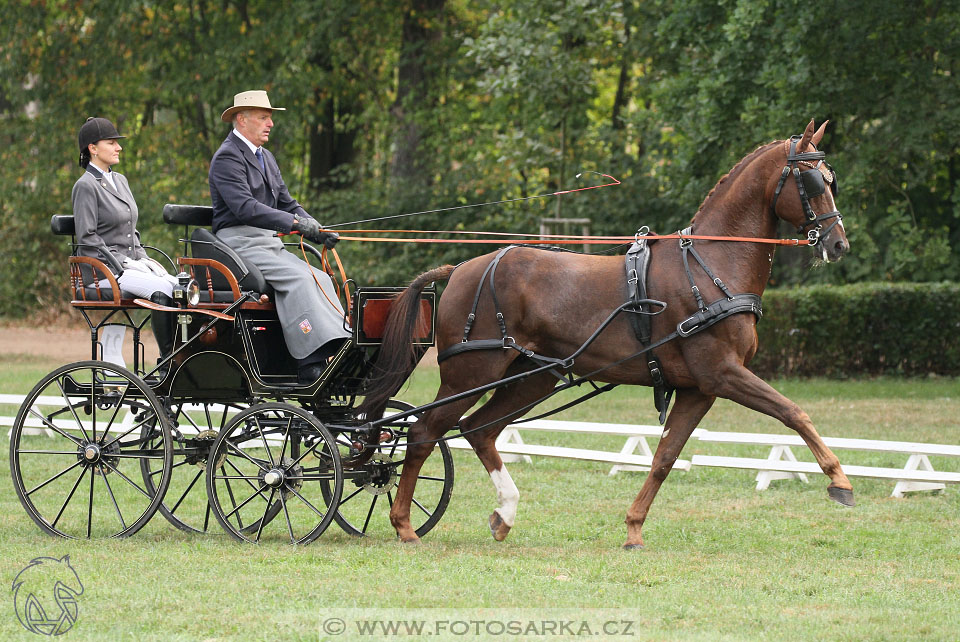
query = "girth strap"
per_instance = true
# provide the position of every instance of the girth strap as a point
(637, 263)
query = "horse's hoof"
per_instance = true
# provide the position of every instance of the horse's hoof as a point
(498, 529)
(842, 496)
(633, 547)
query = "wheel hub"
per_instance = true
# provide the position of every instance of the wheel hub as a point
(383, 475)
(274, 478)
(94, 455)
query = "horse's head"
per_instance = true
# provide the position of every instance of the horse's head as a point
(804, 194)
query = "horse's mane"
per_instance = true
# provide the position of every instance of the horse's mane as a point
(734, 171)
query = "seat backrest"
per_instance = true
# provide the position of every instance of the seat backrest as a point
(204, 245)
(191, 215)
(62, 224)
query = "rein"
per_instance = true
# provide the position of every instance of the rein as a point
(554, 239)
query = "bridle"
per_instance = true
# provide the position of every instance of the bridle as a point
(810, 184)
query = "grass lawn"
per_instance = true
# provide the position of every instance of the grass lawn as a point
(722, 562)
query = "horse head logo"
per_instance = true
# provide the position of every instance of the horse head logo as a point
(45, 595)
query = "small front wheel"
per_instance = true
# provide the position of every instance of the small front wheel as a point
(274, 472)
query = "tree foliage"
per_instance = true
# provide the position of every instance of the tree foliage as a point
(420, 104)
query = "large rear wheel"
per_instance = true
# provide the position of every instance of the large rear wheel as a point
(194, 427)
(369, 488)
(77, 445)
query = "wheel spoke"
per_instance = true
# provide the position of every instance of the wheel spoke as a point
(309, 505)
(58, 475)
(138, 425)
(263, 438)
(263, 519)
(420, 506)
(93, 418)
(247, 501)
(240, 472)
(286, 514)
(69, 497)
(73, 410)
(49, 424)
(186, 492)
(351, 496)
(244, 455)
(115, 505)
(116, 410)
(366, 522)
(160, 470)
(90, 504)
(127, 479)
(429, 478)
(47, 452)
(233, 500)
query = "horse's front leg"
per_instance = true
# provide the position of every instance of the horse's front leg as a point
(738, 384)
(689, 409)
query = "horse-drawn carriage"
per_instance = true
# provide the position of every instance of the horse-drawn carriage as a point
(221, 426)
(97, 449)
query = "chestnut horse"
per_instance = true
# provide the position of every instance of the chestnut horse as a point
(553, 301)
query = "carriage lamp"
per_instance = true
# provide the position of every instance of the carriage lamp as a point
(187, 291)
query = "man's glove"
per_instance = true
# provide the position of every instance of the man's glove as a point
(329, 239)
(133, 264)
(308, 228)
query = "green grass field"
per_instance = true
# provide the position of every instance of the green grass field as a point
(722, 562)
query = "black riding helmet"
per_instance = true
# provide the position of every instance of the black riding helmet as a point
(93, 130)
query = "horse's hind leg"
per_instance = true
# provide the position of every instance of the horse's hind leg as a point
(747, 389)
(689, 409)
(421, 439)
(498, 410)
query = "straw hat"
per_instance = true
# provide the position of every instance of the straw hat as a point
(249, 100)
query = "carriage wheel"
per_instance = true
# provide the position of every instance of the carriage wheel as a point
(369, 489)
(195, 427)
(274, 460)
(76, 445)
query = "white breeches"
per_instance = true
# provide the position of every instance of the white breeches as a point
(143, 284)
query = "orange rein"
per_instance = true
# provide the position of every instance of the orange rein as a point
(557, 239)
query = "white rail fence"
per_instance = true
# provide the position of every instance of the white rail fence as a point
(917, 474)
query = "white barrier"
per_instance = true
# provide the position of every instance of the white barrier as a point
(635, 454)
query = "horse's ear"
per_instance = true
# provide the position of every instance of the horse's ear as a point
(818, 135)
(805, 139)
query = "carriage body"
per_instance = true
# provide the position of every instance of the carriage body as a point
(228, 394)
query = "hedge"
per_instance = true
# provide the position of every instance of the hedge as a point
(860, 329)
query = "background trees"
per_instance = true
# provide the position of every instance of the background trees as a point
(418, 104)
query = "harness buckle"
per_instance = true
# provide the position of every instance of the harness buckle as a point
(634, 278)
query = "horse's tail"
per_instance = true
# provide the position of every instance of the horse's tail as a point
(398, 354)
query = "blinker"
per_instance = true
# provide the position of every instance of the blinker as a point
(813, 180)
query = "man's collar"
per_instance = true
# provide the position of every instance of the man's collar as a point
(253, 148)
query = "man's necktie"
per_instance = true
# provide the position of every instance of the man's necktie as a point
(260, 158)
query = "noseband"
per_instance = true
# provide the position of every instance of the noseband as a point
(810, 184)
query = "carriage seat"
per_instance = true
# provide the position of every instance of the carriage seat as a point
(215, 285)
(92, 280)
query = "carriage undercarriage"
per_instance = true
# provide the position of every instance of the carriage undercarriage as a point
(220, 432)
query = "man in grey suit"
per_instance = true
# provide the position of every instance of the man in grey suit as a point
(251, 204)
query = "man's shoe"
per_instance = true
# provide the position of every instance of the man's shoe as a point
(307, 375)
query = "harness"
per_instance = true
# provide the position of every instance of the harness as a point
(810, 184)
(637, 264)
(638, 306)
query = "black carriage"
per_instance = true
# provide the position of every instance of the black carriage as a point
(221, 427)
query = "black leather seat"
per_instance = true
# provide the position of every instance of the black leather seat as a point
(204, 245)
